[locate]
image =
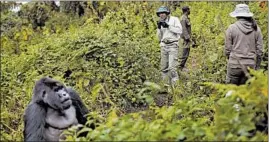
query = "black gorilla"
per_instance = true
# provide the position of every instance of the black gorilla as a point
(53, 108)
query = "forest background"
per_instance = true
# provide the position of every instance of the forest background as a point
(109, 52)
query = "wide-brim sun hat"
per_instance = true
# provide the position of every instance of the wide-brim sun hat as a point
(241, 10)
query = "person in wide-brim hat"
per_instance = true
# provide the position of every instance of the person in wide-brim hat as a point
(243, 45)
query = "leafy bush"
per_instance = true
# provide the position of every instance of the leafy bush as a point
(114, 65)
(192, 118)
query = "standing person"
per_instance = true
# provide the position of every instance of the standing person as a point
(169, 30)
(243, 45)
(186, 35)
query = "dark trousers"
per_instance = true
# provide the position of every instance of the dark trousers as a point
(184, 57)
(236, 76)
(185, 53)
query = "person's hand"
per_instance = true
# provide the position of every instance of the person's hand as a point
(165, 25)
(257, 67)
(258, 62)
(193, 44)
(186, 37)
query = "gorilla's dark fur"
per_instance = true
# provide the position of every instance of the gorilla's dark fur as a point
(52, 109)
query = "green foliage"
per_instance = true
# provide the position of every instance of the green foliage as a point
(114, 62)
(246, 104)
(190, 118)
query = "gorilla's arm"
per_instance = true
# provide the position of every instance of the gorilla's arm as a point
(34, 123)
(81, 110)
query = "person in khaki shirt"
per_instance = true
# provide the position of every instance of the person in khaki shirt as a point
(243, 45)
(168, 32)
(186, 36)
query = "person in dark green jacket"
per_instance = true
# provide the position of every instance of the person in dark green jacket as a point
(243, 45)
(186, 35)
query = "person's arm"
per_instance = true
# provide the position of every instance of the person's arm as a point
(259, 48)
(185, 22)
(228, 42)
(176, 28)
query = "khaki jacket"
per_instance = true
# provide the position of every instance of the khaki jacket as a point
(186, 26)
(243, 44)
(172, 33)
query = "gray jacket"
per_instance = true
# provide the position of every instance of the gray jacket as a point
(243, 44)
(171, 34)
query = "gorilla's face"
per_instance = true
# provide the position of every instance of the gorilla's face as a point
(57, 97)
(64, 98)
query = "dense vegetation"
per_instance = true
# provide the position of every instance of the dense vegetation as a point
(108, 51)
